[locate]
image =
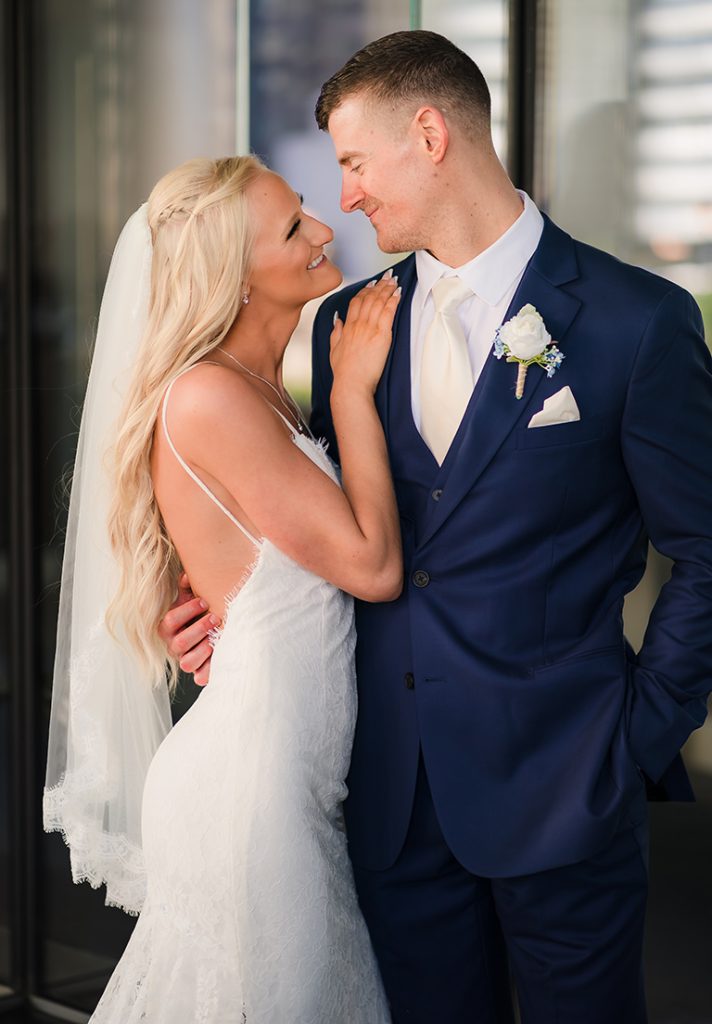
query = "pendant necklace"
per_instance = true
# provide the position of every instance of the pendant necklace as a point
(293, 409)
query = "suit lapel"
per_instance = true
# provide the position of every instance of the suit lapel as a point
(405, 272)
(493, 411)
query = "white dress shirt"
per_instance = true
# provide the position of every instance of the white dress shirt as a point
(493, 276)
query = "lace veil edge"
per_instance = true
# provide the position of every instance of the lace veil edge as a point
(107, 719)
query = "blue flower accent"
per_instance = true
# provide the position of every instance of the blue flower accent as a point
(553, 359)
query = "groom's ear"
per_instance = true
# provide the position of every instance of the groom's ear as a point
(431, 132)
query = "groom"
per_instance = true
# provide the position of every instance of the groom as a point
(506, 730)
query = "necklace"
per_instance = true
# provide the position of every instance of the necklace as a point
(293, 409)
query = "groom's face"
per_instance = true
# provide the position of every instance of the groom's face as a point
(383, 173)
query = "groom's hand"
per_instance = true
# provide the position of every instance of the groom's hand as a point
(185, 630)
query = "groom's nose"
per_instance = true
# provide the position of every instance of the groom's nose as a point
(352, 194)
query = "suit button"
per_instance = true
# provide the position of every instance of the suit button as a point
(437, 494)
(421, 578)
(409, 681)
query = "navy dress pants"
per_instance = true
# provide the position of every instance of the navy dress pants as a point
(572, 937)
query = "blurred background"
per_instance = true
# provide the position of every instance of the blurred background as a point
(602, 112)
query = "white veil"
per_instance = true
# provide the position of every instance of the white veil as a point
(107, 720)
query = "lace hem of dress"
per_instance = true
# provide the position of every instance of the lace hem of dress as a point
(230, 599)
(97, 857)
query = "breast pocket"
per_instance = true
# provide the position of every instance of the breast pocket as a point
(585, 431)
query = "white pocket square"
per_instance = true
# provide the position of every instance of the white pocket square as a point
(560, 408)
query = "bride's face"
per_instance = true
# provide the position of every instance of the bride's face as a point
(289, 266)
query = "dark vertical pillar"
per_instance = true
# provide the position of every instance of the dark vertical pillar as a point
(18, 425)
(524, 17)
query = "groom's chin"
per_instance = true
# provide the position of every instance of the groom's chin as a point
(394, 244)
(391, 245)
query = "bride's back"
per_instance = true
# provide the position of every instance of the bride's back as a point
(216, 555)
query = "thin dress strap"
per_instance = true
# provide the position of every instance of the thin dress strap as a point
(288, 422)
(189, 471)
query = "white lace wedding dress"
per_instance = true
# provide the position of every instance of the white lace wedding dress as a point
(251, 914)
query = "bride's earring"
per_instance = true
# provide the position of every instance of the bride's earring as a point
(245, 298)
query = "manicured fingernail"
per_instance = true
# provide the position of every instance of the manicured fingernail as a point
(336, 316)
(214, 620)
(395, 279)
(398, 291)
(203, 604)
(388, 273)
(371, 284)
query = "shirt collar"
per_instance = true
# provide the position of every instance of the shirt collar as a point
(491, 274)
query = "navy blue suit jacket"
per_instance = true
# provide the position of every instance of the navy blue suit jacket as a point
(534, 717)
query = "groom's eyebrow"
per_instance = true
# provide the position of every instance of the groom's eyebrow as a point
(348, 157)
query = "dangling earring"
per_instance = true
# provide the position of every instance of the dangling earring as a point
(245, 298)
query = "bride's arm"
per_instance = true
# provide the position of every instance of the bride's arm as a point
(358, 353)
(349, 537)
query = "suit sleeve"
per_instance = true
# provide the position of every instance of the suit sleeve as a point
(667, 446)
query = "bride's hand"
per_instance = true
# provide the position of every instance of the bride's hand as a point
(359, 347)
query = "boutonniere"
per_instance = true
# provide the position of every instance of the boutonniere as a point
(525, 340)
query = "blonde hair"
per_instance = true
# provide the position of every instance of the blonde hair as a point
(201, 252)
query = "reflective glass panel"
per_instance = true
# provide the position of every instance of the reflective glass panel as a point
(122, 92)
(295, 46)
(481, 29)
(625, 140)
(625, 151)
(624, 136)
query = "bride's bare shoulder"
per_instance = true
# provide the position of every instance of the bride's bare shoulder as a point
(215, 414)
(210, 393)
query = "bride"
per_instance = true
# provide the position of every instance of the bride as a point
(225, 831)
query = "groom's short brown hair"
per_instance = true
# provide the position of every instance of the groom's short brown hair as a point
(412, 66)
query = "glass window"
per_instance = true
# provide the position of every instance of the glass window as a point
(625, 157)
(481, 29)
(624, 138)
(294, 48)
(122, 92)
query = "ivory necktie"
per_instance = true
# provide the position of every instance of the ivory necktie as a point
(446, 372)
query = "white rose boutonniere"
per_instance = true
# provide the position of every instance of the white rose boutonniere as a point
(525, 340)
